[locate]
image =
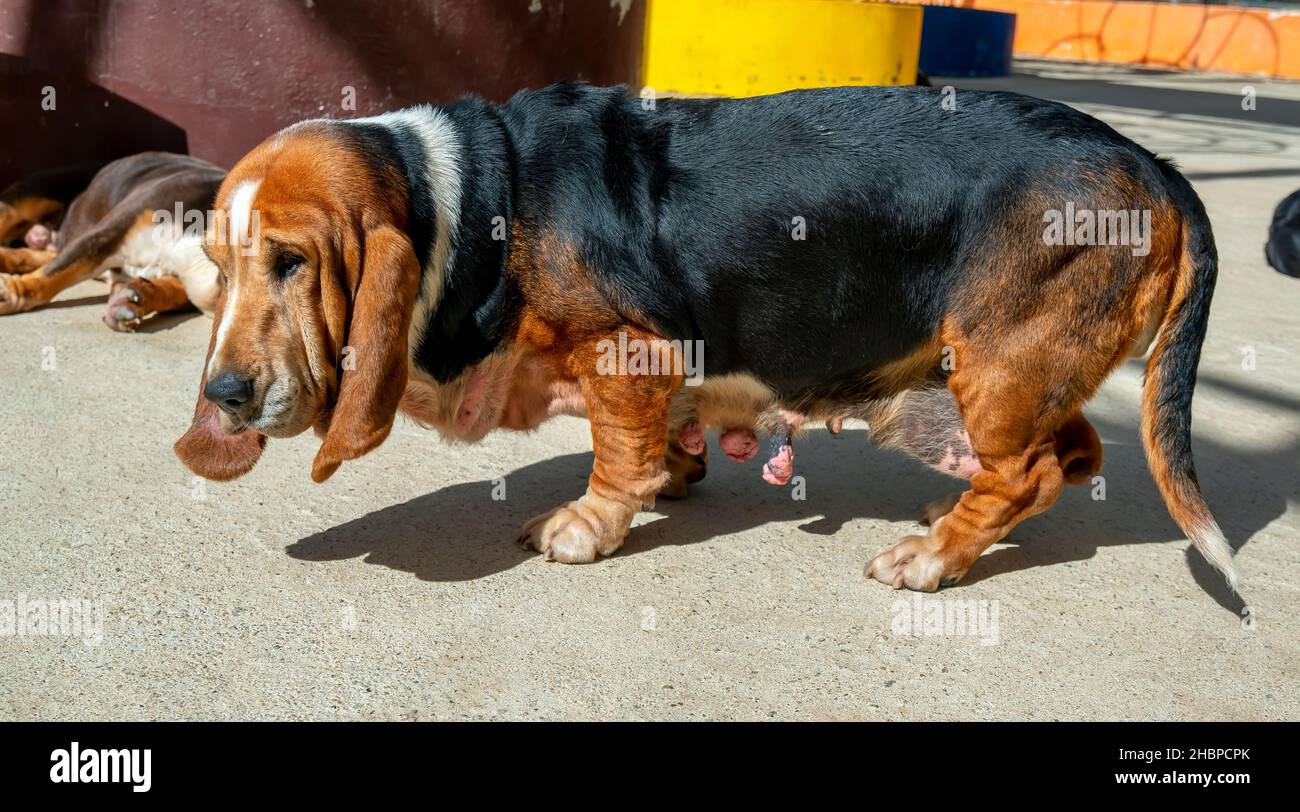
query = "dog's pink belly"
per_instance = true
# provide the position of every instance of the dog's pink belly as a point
(534, 399)
(958, 460)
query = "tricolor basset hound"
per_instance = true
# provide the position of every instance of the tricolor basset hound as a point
(841, 253)
(123, 225)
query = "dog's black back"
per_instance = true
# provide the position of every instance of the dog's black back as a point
(842, 219)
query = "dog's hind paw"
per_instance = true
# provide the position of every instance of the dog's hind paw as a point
(125, 310)
(133, 300)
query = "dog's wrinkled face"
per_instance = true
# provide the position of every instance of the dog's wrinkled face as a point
(318, 279)
(272, 367)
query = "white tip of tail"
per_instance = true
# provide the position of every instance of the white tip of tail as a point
(1209, 539)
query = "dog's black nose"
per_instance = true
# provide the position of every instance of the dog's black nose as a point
(229, 391)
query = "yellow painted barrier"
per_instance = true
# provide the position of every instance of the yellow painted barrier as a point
(752, 47)
(1231, 39)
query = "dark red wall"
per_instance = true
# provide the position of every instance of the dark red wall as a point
(216, 78)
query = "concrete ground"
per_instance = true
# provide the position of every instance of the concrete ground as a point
(395, 591)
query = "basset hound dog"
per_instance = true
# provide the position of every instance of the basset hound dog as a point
(124, 225)
(850, 253)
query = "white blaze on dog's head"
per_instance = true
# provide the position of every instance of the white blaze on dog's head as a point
(241, 214)
(241, 211)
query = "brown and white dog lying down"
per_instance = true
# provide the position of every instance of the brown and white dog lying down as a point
(122, 226)
(471, 266)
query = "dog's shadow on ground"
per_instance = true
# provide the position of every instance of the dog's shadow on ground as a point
(466, 531)
(80, 301)
(1245, 488)
(160, 322)
(156, 323)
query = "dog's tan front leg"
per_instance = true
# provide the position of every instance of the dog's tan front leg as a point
(18, 261)
(629, 419)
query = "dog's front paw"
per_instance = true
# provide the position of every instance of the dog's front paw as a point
(917, 563)
(17, 294)
(579, 531)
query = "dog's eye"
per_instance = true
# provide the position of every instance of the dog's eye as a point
(286, 264)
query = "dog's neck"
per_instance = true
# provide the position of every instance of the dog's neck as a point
(458, 165)
(466, 318)
(459, 168)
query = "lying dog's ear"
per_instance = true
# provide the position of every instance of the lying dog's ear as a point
(373, 374)
(205, 448)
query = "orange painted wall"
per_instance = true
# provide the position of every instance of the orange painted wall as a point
(1214, 38)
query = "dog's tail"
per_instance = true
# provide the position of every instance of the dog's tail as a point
(1171, 377)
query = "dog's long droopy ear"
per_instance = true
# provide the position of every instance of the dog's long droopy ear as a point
(373, 375)
(205, 448)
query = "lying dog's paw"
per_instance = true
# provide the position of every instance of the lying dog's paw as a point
(130, 302)
(125, 309)
(579, 531)
(17, 294)
(915, 563)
